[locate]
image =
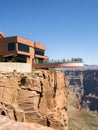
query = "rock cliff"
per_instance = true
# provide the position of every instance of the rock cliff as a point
(84, 84)
(80, 119)
(7, 124)
(82, 87)
(39, 97)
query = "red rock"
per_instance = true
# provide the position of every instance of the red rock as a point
(37, 98)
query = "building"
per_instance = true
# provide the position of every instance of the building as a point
(18, 49)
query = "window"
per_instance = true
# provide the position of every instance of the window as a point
(22, 47)
(39, 51)
(11, 46)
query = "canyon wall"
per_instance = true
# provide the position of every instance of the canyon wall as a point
(39, 97)
(84, 84)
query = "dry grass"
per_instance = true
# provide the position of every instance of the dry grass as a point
(80, 119)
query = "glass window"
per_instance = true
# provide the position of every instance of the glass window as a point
(39, 51)
(11, 46)
(22, 47)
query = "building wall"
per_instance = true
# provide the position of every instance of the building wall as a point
(41, 46)
(4, 45)
(32, 45)
(25, 41)
(32, 51)
(19, 67)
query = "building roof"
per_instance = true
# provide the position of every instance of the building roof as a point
(2, 35)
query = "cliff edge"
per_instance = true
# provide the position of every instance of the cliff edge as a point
(39, 98)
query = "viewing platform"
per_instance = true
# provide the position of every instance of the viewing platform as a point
(73, 63)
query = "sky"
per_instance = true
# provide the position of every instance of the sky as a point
(68, 28)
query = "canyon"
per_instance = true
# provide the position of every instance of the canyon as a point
(49, 99)
(85, 86)
(82, 88)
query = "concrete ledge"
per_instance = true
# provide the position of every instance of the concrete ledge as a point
(11, 66)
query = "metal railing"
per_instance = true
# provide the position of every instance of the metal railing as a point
(72, 60)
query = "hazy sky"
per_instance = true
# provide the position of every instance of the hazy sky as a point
(68, 28)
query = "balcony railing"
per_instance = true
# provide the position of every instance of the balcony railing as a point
(72, 60)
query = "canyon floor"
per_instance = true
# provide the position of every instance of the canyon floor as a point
(80, 119)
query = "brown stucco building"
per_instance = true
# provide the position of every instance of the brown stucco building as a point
(18, 49)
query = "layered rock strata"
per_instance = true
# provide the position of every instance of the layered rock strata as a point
(39, 97)
(84, 84)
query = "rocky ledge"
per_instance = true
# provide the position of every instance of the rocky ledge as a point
(7, 124)
(39, 98)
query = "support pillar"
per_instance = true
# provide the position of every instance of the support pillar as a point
(1, 58)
